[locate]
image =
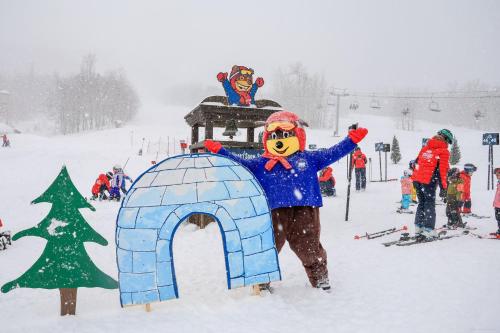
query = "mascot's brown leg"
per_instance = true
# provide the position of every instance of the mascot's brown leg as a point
(301, 227)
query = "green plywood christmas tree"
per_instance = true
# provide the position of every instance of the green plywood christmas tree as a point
(64, 263)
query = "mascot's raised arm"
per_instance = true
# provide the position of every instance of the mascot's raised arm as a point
(288, 175)
(240, 88)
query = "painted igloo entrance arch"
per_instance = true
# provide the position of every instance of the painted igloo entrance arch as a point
(165, 195)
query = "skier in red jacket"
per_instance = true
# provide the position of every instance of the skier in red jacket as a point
(466, 175)
(100, 186)
(359, 165)
(431, 167)
(327, 182)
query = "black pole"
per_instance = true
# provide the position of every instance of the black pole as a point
(370, 163)
(380, 163)
(492, 167)
(385, 166)
(348, 188)
(489, 165)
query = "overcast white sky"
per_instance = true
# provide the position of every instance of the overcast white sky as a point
(369, 45)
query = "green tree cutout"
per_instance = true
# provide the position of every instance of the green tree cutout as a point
(64, 263)
(455, 154)
(395, 154)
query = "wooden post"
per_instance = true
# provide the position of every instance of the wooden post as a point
(148, 307)
(68, 301)
(255, 290)
(194, 134)
(250, 134)
(209, 130)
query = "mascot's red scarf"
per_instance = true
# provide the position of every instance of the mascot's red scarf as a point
(273, 160)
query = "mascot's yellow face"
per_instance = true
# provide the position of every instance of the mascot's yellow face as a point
(282, 143)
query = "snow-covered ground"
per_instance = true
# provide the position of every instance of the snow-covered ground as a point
(448, 286)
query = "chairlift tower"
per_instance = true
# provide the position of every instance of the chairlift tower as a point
(343, 93)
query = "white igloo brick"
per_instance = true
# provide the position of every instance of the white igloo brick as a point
(132, 282)
(170, 163)
(180, 194)
(169, 177)
(219, 174)
(144, 262)
(202, 162)
(127, 217)
(225, 220)
(163, 250)
(151, 196)
(137, 239)
(168, 227)
(241, 188)
(153, 217)
(194, 176)
(238, 208)
(124, 259)
(187, 162)
(235, 263)
(260, 204)
(145, 180)
(253, 226)
(242, 172)
(212, 191)
(258, 263)
(201, 207)
(220, 161)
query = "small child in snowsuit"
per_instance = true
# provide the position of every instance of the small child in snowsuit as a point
(453, 198)
(411, 166)
(406, 186)
(466, 176)
(101, 186)
(327, 182)
(496, 201)
(116, 183)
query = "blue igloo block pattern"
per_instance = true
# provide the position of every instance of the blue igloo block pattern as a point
(164, 196)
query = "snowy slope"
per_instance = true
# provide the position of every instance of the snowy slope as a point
(448, 286)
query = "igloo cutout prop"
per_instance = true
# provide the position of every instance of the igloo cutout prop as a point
(168, 193)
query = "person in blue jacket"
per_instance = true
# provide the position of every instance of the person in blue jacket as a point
(288, 175)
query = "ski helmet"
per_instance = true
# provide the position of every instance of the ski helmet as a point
(109, 174)
(411, 165)
(453, 173)
(447, 135)
(497, 170)
(117, 167)
(469, 167)
(407, 173)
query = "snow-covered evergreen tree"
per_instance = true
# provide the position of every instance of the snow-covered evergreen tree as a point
(455, 153)
(395, 154)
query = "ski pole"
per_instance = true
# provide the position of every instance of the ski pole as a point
(352, 127)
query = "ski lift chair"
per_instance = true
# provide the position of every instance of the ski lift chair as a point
(434, 106)
(375, 104)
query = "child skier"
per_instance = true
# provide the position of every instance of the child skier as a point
(496, 201)
(411, 166)
(327, 182)
(453, 196)
(123, 187)
(116, 183)
(466, 175)
(406, 186)
(101, 185)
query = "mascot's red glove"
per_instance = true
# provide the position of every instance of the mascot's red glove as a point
(356, 135)
(221, 77)
(259, 82)
(212, 146)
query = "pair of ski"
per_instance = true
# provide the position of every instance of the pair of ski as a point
(407, 240)
(381, 233)
(492, 235)
(476, 216)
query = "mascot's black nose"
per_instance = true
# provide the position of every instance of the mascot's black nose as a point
(279, 144)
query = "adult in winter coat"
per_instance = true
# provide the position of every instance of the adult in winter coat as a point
(359, 164)
(432, 165)
(288, 175)
(466, 176)
(327, 182)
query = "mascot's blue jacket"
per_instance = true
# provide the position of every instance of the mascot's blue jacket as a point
(233, 97)
(299, 185)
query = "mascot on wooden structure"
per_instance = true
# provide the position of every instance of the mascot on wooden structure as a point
(240, 88)
(288, 174)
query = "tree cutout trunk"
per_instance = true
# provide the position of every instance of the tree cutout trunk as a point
(68, 301)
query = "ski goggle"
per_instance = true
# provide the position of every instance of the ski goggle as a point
(286, 126)
(246, 71)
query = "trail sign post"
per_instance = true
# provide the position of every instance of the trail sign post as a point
(379, 146)
(490, 140)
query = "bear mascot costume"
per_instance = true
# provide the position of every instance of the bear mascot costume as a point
(288, 175)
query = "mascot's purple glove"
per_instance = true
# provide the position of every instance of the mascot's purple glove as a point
(356, 135)
(212, 146)
(221, 77)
